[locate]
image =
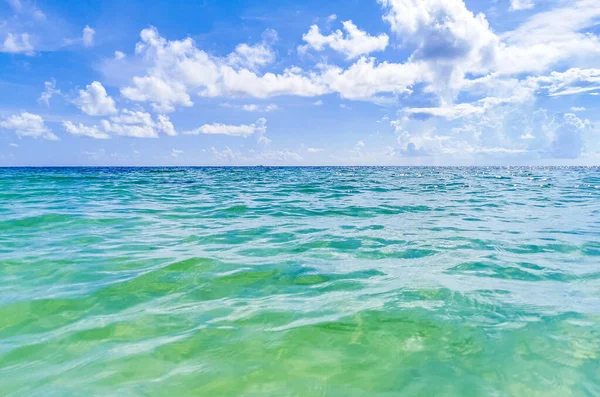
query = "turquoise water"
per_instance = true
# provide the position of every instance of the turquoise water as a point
(300, 282)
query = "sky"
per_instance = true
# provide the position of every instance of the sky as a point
(279, 82)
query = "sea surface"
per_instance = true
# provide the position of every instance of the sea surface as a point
(300, 282)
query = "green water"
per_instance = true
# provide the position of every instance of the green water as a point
(300, 282)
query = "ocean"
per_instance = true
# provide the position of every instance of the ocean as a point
(317, 281)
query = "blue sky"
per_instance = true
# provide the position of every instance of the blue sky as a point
(353, 82)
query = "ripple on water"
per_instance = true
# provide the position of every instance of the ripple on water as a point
(300, 281)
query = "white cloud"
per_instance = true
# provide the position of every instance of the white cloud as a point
(567, 141)
(257, 108)
(251, 56)
(138, 124)
(27, 9)
(280, 156)
(88, 36)
(452, 42)
(83, 130)
(551, 36)
(13, 145)
(314, 150)
(516, 5)
(133, 117)
(50, 90)
(119, 55)
(178, 67)
(27, 124)
(95, 101)
(451, 112)
(17, 44)
(164, 95)
(244, 130)
(570, 82)
(318, 103)
(292, 81)
(250, 108)
(352, 44)
(175, 153)
(365, 78)
(578, 109)
(442, 30)
(230, 156)
(226, 154)
(527, 135)
(254, 56)
(263, 140)
(163, 124)
(513, 91)
(452, 51)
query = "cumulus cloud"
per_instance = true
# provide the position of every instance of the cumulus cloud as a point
(164, 125)
(567, 141)
(83, 130)
(165, 95)
(179, 67)
(95, 101)
(27, 9)
(366, 78)
(137, 124)
(17, 44)
(513, 91)
(511, 130)
(254, 56)
(263, 140)
(441, 29)
(119, 55)
(572, 81)
(88, 35)
(516, 5)
(452, 41)
(352, 44)
(250, 108)
(292, 81)
(230, 156)
(244, 130)
(251, 56)
(257, 108)
(463, 70)
(28, 125)
(49, 92)
(314, 150)
(549, 37)
(451, 112)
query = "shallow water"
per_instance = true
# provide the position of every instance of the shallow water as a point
(300, 282)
